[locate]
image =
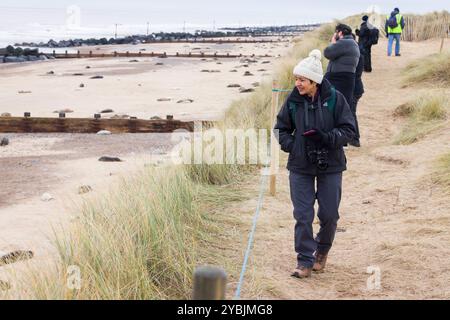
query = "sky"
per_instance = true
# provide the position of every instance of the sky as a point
(105, 12)
(44, 19)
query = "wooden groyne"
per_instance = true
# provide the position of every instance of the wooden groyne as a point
(28, 124)
(140, 54)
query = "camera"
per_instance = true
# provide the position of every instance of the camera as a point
(319, 157)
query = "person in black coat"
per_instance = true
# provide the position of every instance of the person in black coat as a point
(313, 125)
(357, 94)
(365, 42)
(343, 53)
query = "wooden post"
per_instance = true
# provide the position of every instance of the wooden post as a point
(209, 283)
(273, 144)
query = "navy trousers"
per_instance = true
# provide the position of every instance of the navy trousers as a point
(303, 196)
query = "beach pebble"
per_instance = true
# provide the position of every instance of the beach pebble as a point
(88, 67)
(233, 70)
(23, 92)
(163, 99)
(78, 74)
(97, 77)
(185, 101)
(82, 85)
(134, 60)
(84, 189)
(4, 142)
(6, 114)
(248, 73)
(262, 70)
(51, 72)
(109, 159)
(47, 197)
(265, 62)
(104, 133)
(255, 84)
(155, 118)
(244, 90)
(107, 111)
(234, 85)
(159, 64)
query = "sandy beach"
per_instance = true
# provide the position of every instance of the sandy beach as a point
(59, 164)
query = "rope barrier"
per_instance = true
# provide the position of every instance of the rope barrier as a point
(281, 90)
(262, 187)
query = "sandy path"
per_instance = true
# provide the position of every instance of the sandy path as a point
(392, 217)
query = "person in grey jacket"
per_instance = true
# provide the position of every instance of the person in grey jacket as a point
(343, 53)
(313, 125)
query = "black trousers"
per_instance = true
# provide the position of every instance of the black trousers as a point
(368, 58)
(303, 196)
(353, 107)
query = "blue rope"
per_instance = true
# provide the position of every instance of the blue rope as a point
(281, 90)
(252, 233)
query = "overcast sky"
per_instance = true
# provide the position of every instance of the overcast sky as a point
(226, 12)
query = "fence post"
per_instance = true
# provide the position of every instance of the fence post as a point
(273, 144)
(209, 283)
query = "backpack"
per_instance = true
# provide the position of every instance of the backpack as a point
(374, 35)
(392, 22)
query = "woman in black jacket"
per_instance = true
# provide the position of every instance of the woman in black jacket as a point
(313, 125)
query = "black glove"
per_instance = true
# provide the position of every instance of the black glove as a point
(316, 135)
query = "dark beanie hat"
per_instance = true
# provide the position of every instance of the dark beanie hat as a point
(365, 18)
(397, 9)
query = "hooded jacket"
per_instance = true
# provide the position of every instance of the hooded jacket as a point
(329, 112)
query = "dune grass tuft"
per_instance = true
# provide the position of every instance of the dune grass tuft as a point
(425, 114)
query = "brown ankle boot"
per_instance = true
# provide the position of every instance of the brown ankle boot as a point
(321, 261)
(301, 272)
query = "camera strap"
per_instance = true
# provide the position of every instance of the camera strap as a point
(308, 106)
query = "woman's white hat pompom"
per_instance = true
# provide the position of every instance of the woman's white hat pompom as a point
(316, 54)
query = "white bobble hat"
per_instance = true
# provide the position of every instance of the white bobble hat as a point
(311, 67)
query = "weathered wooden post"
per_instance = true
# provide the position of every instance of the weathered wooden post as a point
(90, 54)
(27, 114)
(78, 54)
(209, 283)
(273, 144)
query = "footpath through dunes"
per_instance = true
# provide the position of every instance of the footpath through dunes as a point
(393, 218)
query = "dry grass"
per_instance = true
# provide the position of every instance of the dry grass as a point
(143, 240)
(442, 172)
(425, 114)
(433, 70)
